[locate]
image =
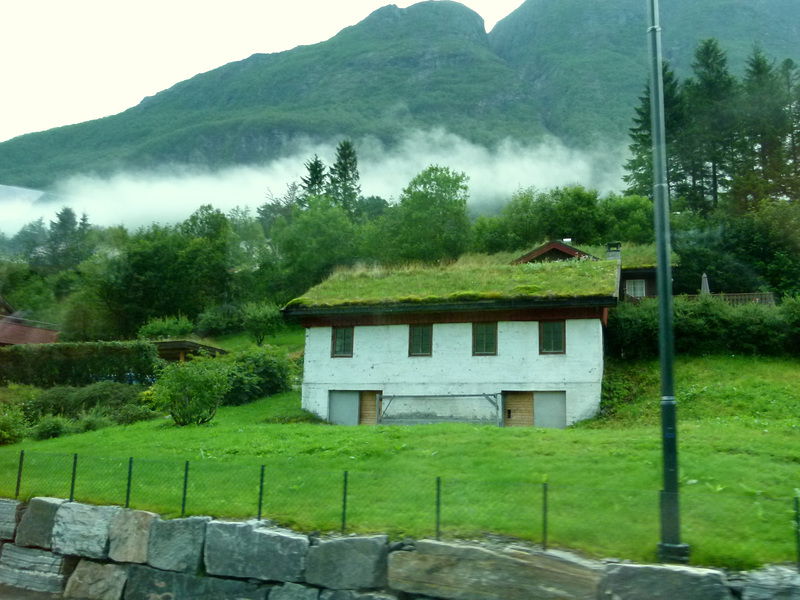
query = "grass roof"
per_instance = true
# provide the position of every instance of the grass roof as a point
(470, 279)
(634, 256)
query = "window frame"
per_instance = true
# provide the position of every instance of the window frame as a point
(335, 333)
(637, 281)
(490, 326)
(542, 349)
(422, 327)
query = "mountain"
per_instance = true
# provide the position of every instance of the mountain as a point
(572, 69)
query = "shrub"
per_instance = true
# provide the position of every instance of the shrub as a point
(191, 391)
(257, 373)
(219, 320)
(71, 402)
(790, 312)
(705, 326)
(92, 407)
(59, 401)
(160, 328)
(133, 413)
(12, 425)
(77, 364)
(92, 420)
(51, 426)
(261, 320)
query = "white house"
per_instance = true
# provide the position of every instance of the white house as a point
(489, 343)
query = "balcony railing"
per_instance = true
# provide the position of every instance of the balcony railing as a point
(754, 298)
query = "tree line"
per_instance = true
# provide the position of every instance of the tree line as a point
(107, 283)
(732, 142)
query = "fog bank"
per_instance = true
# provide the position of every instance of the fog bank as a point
(135, 199)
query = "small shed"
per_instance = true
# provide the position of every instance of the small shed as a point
(179, 350)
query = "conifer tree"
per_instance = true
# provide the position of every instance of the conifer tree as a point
(314, 183)
(712, 125)
(343, 186)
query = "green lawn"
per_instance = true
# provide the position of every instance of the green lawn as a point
(739, 469)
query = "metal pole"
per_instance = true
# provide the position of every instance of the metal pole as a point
(130, 479)
(261, 493)
(74, 473)
(344, 503)
(19, 473)
(185, 488)
(670, 549)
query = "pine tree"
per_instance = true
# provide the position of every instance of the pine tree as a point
(712, 125)
(640, 166)
(314, 183)
(343, 186)
(765, 126)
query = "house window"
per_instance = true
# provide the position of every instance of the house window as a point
(342, 343)
(552, 339)
(419, 340)
(484, 339)
(635, 288)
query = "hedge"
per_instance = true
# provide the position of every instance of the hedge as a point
(706, 326)
(78, 364)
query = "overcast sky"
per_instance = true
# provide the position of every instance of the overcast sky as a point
(68, 61)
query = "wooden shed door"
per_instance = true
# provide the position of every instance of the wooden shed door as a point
(518, 409)
(368, 408)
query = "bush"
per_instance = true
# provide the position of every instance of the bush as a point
(51, 426)
(132, 413)
(191, 391)
(161, 328)
(704, 326)
(257, 373)
(12, 425)
(71, 402)
(790, 312)
(78, 364)
(93, 420)
(92, 407)
(261, 320)
(219, 320)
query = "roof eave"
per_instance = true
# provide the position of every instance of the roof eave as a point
(295, 312)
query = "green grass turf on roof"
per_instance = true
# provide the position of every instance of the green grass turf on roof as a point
(464, 281)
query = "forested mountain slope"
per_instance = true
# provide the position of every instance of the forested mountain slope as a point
(570, 68)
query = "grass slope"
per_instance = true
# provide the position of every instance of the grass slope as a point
(738, 432)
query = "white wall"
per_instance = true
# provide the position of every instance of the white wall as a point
(380, 362)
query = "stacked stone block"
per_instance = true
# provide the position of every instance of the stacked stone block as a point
(108, 553)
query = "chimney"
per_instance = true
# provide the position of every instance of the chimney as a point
(614, 251)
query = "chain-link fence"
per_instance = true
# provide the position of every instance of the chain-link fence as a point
(722, 528)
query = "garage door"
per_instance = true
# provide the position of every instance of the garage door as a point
(550, 409)
(343, 408)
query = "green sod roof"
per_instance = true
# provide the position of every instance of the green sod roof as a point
(468, 280)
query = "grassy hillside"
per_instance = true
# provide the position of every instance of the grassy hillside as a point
(738, 426)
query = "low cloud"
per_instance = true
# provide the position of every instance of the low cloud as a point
(137, 199)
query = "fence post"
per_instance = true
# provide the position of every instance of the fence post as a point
(438, 508)
(74, 472)
(260, 492)
(544, 515)
(344, 503)
(19, 473)
(130, 478)
(185, 487)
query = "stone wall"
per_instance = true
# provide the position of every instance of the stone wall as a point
(88, 552)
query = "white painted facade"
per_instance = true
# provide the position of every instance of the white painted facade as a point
(380, 362)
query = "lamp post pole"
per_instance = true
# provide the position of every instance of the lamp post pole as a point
(670, 549)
